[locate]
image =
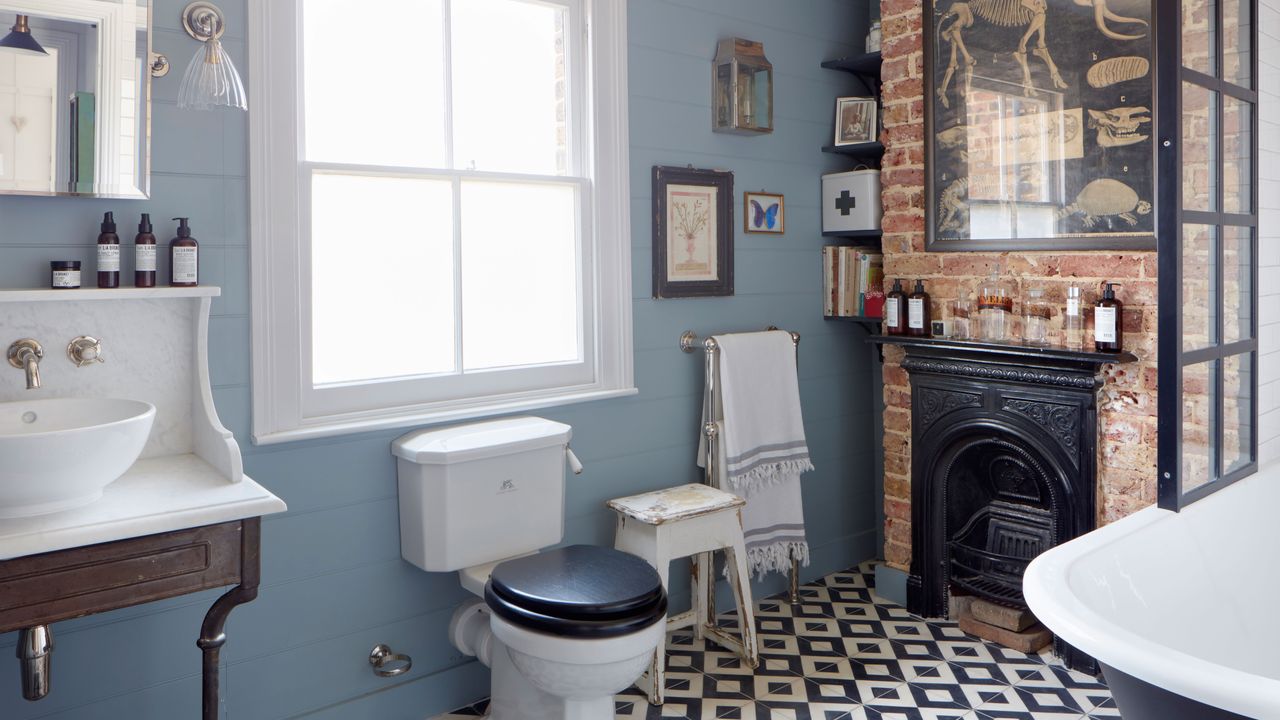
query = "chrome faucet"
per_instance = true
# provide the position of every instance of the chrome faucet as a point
(25, 355)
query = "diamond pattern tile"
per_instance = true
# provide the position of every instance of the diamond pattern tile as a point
(844, 653)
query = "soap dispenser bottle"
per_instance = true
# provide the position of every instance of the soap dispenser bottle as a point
(108, 254)
(895, 306)
(918, 320)
(144, 255)
(1108, 331)
(184, 257)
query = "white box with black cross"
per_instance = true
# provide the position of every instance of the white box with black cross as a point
(851, 201)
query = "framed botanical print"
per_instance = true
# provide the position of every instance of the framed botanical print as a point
(1039, 125)
(692, 232)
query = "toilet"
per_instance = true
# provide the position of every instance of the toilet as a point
(562, 630)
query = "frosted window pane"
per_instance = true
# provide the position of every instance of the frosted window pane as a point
(508, 87)
(382, 277)
(520, 289)
(374, 99)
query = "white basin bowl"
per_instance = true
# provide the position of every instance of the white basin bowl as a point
(59, 454)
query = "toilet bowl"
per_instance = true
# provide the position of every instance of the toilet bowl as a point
(561, 630)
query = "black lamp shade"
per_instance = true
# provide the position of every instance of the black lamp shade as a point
(20, 39)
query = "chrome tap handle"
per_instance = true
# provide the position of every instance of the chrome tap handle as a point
(85, 350)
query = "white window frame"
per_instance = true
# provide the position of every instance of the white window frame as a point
(284, 406)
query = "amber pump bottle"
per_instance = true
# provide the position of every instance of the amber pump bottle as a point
(1108, 330)
(918, 320)
(184, 257)
(108, 254)
(895, 309)
(144, 255)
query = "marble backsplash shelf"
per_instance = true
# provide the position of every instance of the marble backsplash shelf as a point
(95, 294)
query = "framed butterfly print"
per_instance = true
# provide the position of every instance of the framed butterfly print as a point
(763, 212)
(692, 232)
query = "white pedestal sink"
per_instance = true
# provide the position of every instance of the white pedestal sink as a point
(59, 454)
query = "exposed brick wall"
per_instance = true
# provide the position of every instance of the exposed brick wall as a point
(1127, 446)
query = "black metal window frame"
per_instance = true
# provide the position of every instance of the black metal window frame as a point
(1171, 217)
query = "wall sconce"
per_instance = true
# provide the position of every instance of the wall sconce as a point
(211, 79)
(19, 39)
(742, 84)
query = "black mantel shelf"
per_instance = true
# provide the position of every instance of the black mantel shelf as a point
(1007, 351)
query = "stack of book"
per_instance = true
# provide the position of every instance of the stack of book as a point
(852, 282)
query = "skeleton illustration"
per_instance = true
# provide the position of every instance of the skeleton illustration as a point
(1120, 126)
(1029, 14)
(953, 207)
(1111, 71)
(955, 137)
(1106, 198)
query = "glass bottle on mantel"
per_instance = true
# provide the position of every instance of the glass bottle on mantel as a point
(995, 308)
(1035, 318)
(1073, 320)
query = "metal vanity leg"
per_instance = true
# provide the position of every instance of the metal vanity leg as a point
(212, 636)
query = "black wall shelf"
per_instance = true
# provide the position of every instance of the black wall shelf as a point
(868, 235)
(865, 65)
(870, 151)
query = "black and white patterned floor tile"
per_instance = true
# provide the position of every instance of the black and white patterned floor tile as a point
(844, 653)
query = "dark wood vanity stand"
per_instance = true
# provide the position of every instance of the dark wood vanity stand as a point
(65, 584)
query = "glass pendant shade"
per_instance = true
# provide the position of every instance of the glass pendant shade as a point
(211, 81)
(20, 39)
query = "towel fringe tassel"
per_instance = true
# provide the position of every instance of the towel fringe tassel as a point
(776, 557)
(762, 476)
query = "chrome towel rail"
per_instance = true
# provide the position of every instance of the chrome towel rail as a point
(689, 341)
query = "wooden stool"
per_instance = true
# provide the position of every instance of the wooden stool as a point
(691, 520)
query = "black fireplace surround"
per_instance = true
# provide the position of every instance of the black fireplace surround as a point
(1003, 466)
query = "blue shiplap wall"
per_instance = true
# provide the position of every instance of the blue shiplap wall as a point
(333, 581)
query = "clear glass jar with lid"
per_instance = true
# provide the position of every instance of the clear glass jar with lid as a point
(995, 307)
(1035, 317)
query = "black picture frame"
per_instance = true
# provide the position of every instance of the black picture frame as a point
(708, 269)
(1078, 45)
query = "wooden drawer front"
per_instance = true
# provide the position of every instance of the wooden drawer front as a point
(81, 581)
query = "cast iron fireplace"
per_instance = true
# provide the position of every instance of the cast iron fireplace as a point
(1003, 466)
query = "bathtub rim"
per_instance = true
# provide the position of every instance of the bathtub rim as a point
(1049, 595)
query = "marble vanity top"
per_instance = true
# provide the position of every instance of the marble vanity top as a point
(156, 495)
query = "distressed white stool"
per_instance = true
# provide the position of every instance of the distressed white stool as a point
(691, 521)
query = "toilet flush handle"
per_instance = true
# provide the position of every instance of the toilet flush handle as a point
(574, 463)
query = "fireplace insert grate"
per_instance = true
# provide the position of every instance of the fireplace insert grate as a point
(992, 551)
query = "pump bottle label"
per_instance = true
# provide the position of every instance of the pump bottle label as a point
(109, 258)
(145, 258)
(891, 312)
(184, 264)
(915, 313)
(1104, 324)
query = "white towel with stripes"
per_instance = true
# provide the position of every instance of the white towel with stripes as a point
(763, 435)
(762, 449)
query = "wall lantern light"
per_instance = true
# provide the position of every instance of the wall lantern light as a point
(742, 83)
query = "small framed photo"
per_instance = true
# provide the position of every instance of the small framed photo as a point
(692, 232)
(856, 120)
(763, 212)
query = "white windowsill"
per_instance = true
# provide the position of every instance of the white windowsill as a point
(414, 419)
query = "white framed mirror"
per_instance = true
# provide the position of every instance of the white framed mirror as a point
(75, 108)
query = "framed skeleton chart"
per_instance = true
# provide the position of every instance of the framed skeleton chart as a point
(1039, 124)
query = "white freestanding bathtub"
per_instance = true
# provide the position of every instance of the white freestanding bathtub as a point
(1181, 609)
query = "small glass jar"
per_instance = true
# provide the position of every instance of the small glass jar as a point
(995, 308)
(1035, 318)
(959, 314)
(64, 274)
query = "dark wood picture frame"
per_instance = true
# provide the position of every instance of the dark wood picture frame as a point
(1071, 33)
(716, 278)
